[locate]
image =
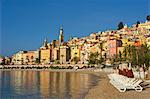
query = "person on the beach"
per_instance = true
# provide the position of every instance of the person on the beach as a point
(130, 72)
(122, 70)
(125, 71)
(142, 72)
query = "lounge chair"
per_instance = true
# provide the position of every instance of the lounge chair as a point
(122, 83)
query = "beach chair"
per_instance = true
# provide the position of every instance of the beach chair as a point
(122, 83)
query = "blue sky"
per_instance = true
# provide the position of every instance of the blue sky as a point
(26, 23)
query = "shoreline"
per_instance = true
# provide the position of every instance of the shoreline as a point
(48, 68)
(91, 71)
(103, 89)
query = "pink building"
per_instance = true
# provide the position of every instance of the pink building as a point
(112, 46)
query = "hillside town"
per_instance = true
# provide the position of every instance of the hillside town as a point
(99, 47)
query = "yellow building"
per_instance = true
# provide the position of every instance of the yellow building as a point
(7, 60)
(45, 56)
(130, 43)
(18, 58)
(145, 25)
(75, 52)
(124, 42)
(45, 53)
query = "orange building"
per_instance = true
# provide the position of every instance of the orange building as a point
(29, 57)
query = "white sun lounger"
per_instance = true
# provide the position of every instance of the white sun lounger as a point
(123, 83)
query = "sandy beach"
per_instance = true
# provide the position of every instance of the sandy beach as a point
(104, 90)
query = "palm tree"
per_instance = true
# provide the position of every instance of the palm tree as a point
(125, 53)
(83, 58)
(144, 55)
(130, 54)
(138, 55)
(101, 48)
(120, 56)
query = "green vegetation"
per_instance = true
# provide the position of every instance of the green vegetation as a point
(76, 59)
(120, 25)
(137, 55)
(95, 59)
(148, 18)
(137, 23)
(37, 60)
(56, 62)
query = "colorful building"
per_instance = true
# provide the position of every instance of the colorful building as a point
(61, 36)
(64, 54)
(112, 47)
(56, 54)
(18, 58)
(75, 52)
(45, 53)
(29, 57)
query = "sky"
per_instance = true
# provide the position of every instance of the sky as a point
(24, 24)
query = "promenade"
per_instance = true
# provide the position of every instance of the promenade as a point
(51, 66)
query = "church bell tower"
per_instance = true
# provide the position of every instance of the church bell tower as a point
(61, 36)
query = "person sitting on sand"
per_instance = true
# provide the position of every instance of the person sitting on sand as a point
(119, 70)
(122, 70)
(125, 69)
(130, 72)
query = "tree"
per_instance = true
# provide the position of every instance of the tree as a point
(120, 56)
(75, 59)
(101, 48)
(37, 60)
(129, 53)
(148, 18)
(56, 62)
(101, 60)
(125, 53)
(137, 55)
(137, 23)
(93, 58)
(120, 25)
(144, 55)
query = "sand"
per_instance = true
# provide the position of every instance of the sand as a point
(104, 90)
